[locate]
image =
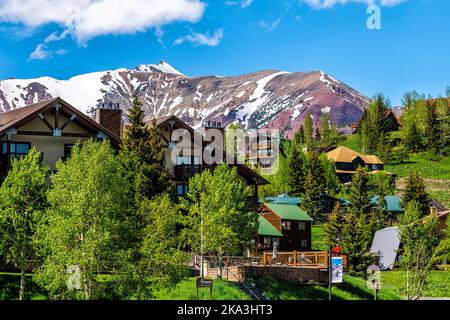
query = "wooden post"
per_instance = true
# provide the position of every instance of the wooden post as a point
(265, 258)
(295, 258)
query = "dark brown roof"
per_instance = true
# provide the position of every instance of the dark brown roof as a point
(243, 170)
(18, 117)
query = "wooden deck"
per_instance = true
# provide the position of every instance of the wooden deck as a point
(311, 259)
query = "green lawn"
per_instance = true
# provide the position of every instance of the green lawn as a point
(438, 283)
(443, 196)
(186, 290)
(317, 237)
(420, 162)
(352, 289)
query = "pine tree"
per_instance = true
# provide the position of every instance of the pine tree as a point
(447, 92)
(308, 129)
(356, 242)
(297, 170)
(335, 225)
(360, 191)
(143, 157)
(415, 190)
(413, 138)
(312, 196)
(314, 164)
(432, 129)
(299, 136)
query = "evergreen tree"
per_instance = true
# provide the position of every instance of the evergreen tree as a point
(413, 138)
(308, 129)
(312, 197)
(317, 136)
(22, 205)
(335, 225)
(447, 92)
(299, 136)
(360, 191)
(415, 190)
(356, 241)
(432, 129)
(297, 170)
(315, 165)
(333, 184)
(143, 157)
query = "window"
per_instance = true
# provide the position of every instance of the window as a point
(286, 225)
(304, 243)
(68, 150)
(17, 149)
(302, 226)
(182, 191)
(183, 160)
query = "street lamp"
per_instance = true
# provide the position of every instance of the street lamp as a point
(330, 267)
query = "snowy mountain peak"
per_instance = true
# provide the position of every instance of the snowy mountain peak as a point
(162, 66)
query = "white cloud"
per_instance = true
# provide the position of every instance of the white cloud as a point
(41, 52)
(242, 3)
(269, 26)
(201, 39)
(86, 19)
(324, 4)
(56, 37)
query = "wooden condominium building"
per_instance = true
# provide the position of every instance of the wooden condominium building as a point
(347, 161)
(286, 224)
(53, 127)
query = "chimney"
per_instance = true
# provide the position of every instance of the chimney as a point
(109, 115)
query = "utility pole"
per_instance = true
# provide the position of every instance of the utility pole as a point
(330, 271)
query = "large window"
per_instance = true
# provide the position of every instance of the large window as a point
(68, 150)
(17, 150)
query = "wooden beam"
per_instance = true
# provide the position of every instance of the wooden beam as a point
(50, 134)
(41, 116)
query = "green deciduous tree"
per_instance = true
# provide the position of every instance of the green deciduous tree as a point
(419, 241)
(86, 223)
(22, 204)
(219, 220)
(164, 259)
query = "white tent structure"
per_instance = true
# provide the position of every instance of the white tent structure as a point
(385, 244)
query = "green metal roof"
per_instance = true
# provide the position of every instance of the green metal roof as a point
(393, 203)
(267, 229)
(289, 212)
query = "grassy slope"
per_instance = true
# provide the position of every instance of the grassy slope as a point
(352, 289)
(186, 290)
(428, 168)
(438, 283)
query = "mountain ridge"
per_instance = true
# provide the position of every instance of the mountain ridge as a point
(262, 99)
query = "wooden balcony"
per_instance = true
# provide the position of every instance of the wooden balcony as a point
(313, 259)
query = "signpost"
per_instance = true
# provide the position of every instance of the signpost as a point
(337, 270)
(204, 283)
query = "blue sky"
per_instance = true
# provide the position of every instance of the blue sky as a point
(411, 51)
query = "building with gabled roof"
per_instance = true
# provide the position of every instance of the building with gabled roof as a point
(347, 161)
(291, 221)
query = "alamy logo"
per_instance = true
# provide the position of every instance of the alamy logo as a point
(374, 20)
(74, 280)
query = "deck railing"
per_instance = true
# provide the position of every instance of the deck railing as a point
(299, 259)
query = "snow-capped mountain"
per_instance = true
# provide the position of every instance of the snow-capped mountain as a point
(269, 99)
